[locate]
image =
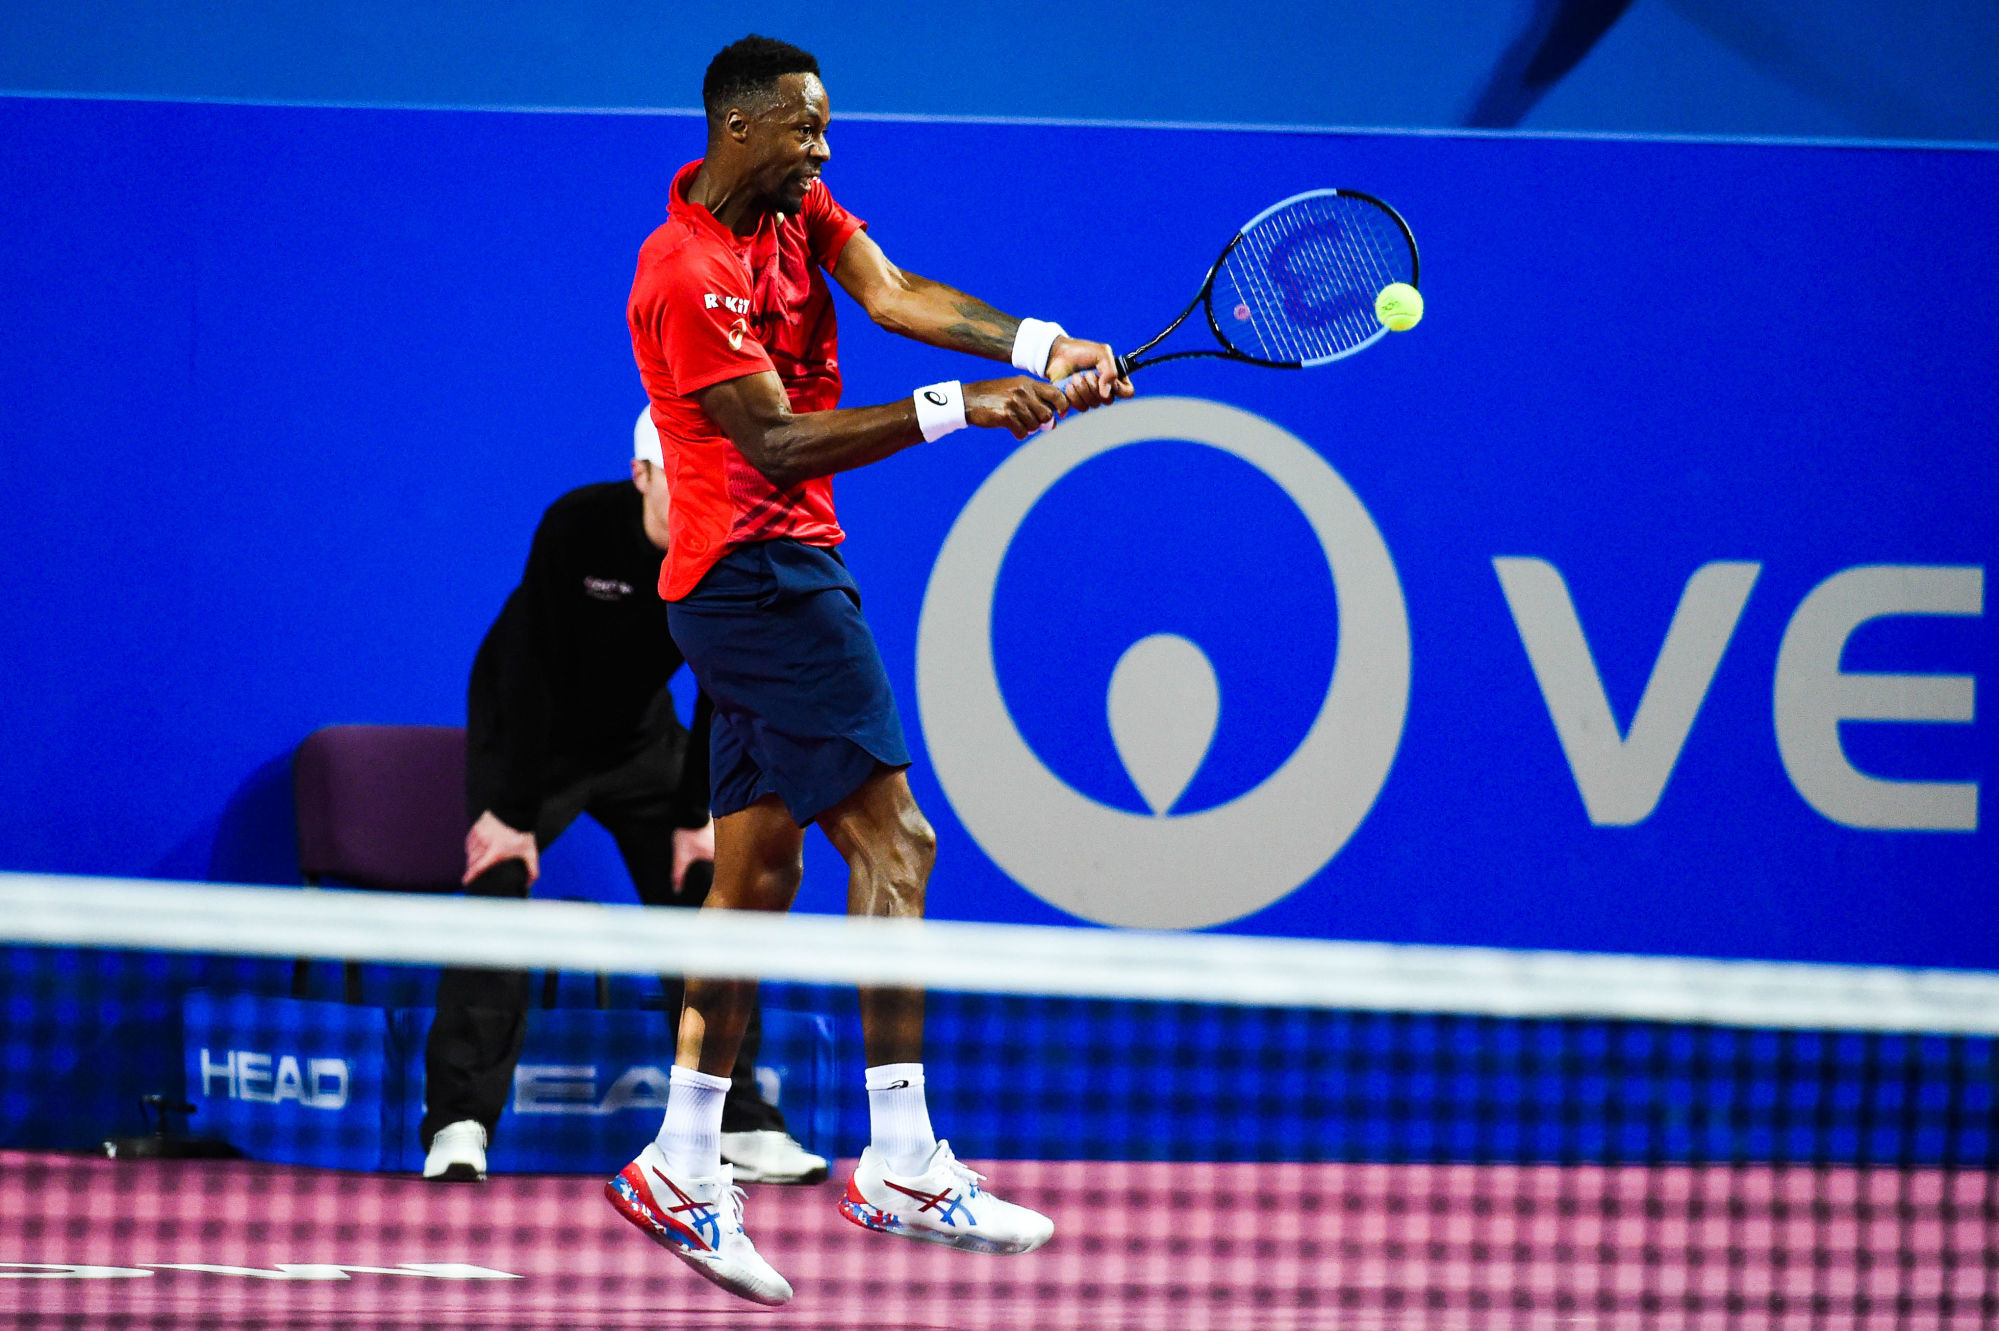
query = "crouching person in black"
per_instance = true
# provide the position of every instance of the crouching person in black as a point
(569, 713)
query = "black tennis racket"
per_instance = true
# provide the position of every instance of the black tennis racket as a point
(1296, 286)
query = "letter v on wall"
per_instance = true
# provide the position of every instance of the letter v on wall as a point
(1621, 776)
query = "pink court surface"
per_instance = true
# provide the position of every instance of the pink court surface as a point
(89, 1242)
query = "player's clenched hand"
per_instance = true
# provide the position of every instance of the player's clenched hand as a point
(1096, 368)
(1020, 405)
(491, 841)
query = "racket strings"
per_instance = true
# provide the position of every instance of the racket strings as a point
(1357, 318)
(1260, 301)
(1388, 250)
(1260, 297)
(1299, 287)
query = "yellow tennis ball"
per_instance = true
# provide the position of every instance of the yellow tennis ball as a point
(1399, 307)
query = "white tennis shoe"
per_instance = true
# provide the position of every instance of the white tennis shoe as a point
(700, 1221)
(771, 1156)
(943, 1204)
(457, 1153)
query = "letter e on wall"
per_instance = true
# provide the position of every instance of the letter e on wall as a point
(1813, 695)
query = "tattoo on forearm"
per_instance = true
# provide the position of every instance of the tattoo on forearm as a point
(985, 332)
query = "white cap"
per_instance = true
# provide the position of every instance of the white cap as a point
(645, 440)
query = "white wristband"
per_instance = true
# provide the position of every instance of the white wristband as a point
(940, 409)
(1031, 344)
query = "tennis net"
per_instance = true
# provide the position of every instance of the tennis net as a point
(1228, 1131)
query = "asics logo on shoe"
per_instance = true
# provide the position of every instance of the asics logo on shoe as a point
(707, 1224)
(948, 1205)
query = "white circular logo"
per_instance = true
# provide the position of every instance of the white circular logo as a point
(1161, 871)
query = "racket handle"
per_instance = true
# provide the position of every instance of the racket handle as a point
(1123, 369)
(1063, 384)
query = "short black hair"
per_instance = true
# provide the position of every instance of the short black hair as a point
(745, 68)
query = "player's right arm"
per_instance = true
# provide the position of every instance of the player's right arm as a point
(689, 315)
(788, 449)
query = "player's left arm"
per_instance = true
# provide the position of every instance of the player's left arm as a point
(943, 316)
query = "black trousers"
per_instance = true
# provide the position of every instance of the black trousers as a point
(475, 1040)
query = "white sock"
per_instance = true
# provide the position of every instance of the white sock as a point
(900, 1118)
(690, 1136)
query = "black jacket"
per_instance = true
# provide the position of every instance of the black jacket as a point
(571, 679)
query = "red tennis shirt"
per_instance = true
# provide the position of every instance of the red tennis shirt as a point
(708, 305)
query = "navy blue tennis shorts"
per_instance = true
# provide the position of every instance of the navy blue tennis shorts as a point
(803, 710)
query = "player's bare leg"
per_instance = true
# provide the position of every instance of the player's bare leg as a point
(678, 1191)
(758, 864)
(907, 1182)
(889, 849)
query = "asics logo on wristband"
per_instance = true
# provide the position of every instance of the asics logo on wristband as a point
(940, 409)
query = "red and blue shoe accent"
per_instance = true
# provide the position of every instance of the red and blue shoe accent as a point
(700, 1221)
(943, 1204)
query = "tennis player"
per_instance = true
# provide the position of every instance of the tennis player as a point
(568, 713)
(732, 326)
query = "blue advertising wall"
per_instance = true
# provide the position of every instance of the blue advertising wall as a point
(1845, 68)
(285, 390)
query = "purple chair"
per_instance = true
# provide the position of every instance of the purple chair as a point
(380, 807)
